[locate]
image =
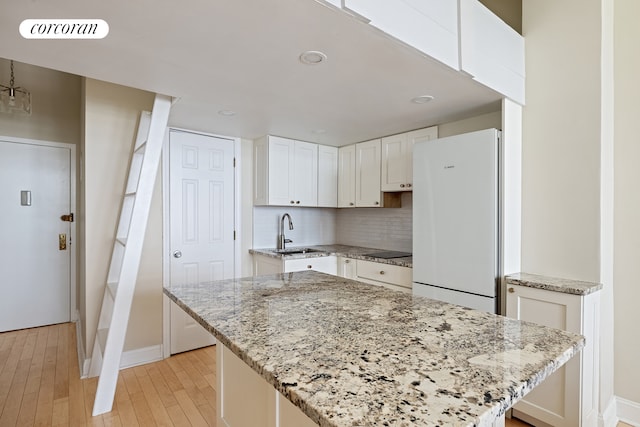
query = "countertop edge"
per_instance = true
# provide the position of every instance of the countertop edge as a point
(322, 251)
(554, 284)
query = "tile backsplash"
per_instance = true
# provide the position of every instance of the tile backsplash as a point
(380, 228)
(311, 226)
(377, 227)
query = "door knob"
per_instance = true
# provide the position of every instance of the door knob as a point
(177, 254)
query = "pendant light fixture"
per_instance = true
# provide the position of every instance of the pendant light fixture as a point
(14, 99)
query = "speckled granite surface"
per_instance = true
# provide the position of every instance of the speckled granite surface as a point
(555, 284)
(352, 354)
(355, 252)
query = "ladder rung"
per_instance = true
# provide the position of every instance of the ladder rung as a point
(102, 338)
(140, 149)
(113, 288)
(122, 240)
(130, 194)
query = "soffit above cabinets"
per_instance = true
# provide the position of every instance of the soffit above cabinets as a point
(244, 57)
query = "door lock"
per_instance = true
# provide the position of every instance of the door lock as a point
(62, 242)
(67, 218)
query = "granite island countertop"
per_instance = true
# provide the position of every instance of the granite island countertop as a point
(355, 252)
(351, 354)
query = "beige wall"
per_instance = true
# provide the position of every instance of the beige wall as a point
(510, 11)
(111, 119)
(483, 121)
(561, 139)
(55, 99)
(627, 199)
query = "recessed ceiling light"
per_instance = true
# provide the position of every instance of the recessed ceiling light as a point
(227, 113)
(423, 99)
(320, 131)
(312, 57)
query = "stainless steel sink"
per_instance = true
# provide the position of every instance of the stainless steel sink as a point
(297, 251)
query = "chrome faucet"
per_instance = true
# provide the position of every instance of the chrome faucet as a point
(282, 241)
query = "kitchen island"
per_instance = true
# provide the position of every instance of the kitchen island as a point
(351, 354)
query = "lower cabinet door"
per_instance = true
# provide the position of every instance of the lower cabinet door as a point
(245, 399)
(263, 265)
(325, 264)
(557, 400)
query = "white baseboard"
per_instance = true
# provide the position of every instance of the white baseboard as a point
(84, 367)
(628, 411)
(608, 417)
(131, 358)
(140, 356)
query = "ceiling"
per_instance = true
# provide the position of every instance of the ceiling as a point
(243, 56)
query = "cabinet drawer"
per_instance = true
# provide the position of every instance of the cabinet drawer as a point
(326, 264)
(385, 273)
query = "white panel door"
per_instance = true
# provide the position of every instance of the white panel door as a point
(34, 268)
(201, 221)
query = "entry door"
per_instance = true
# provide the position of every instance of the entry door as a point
(201, 213)
(35, 191)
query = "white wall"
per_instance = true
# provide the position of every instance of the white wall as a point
(627, 200)
(111, 118)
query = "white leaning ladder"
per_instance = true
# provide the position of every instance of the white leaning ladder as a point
(127, 250)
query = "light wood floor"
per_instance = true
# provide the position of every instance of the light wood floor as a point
(40, 385)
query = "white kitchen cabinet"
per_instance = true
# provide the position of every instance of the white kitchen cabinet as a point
(323, 264)
(430, 26)
(368, 174)
(347, 267)
(569, 397)
(359, 175)
(263, 264)
(397, 158)
(244, 398)
(390, 276)
(347, 176)
(327, 176)
(491, 51)
(285, 172)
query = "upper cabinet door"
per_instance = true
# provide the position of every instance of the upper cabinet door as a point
(327, 176)
(430, 26)
(395, 155)
(285, 172)
(425, 134)
(304, 174)
(347, 176)
(280, 171)
(368, 173)
(397, 158)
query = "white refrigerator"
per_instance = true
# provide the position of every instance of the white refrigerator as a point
(456, 219)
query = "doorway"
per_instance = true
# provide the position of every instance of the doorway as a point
(200, 217)
(37, 194)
